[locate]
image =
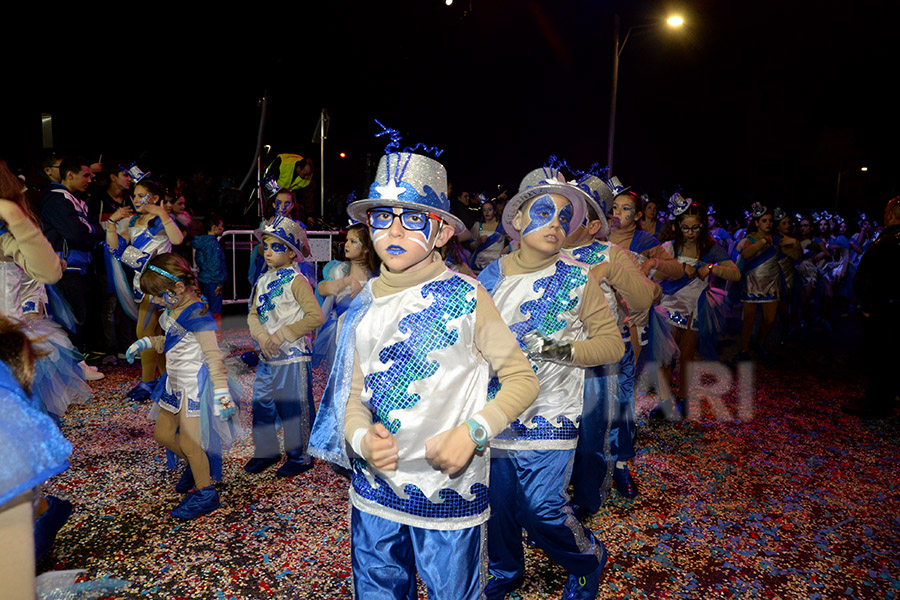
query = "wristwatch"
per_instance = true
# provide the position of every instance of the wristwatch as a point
(478, 433)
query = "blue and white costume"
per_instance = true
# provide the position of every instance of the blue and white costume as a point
(58, 379)
(488, 251)
(693, 303)
(333, 308)
(146, 242)
(533, 456)
(282, 388)
(761, 275)
(187, 385)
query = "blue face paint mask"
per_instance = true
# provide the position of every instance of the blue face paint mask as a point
(543, 210)
(283, 208)
(278, 247)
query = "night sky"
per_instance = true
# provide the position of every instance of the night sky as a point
(749, 101)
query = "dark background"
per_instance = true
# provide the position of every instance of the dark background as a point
(749, 101)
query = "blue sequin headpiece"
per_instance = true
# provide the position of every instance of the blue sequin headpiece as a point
(616, 186)
(710, 209)
(136, 173)
(757, 210)
(407, 180)
(678, 204)
(164, 273)
(599, 197)
(288, 231)
(271, 185)
(779, 213)
(546, 180)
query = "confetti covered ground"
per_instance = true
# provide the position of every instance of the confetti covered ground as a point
(799, 501)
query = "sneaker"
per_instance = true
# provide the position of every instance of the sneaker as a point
(186, 482)
(109, 359)
(291, 468)
(142, 391)
(588, 586)
(669, 410)
(121, 356)
(258, 465)
(90, 373)
(198, 502)
(625, 483)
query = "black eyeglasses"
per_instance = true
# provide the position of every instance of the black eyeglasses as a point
(411, 220)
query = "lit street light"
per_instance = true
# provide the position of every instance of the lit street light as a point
(674, 22)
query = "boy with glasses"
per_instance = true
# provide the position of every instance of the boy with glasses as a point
(406, 404)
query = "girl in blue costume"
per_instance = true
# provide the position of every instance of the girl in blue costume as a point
(33, 450)
(489, 239)
(343, 281)
(690, 305)
(650, 222)
(27, 262)
(195, 407)
(761, 278)
(133, 240)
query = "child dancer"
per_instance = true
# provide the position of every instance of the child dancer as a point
(133, 240)
(210, 259)
(690, 304)
(789, 253)
(408, 395)
(283, 313)
(607, 428)
(195, 409)
(343, 281)
(761, 278)
(489, 239)
(557, 310)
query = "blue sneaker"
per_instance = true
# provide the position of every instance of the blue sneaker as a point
(198, 502)
(48, 525)
(585, 587)
(625, 483)
(142, 391)
(186, 482)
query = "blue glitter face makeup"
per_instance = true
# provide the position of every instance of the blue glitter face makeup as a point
(543, 211)
(283, 207)
(278, 247)
(540, 213)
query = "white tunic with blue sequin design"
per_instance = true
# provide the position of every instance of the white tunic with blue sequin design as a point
(593, 254)
(184, 368)
(276, 307)
(549, 302)
(423, 375)
(680, 307)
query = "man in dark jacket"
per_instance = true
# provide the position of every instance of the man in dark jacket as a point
(877, 285)
(66, 224)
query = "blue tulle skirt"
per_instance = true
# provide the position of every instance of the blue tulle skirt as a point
(58, 379)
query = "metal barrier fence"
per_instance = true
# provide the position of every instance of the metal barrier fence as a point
(240, 242)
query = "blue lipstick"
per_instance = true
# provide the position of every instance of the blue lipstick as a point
(396, 250)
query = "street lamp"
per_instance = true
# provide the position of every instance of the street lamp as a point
(837, 193)
(673, 21)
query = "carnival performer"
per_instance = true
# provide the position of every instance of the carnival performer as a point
(760, 279)
(408, 394)
(341, 284)
(650, 221)
(132, 240)
(607, 429)
(283, 314)
(653, 258)
(560, 316)
(789, 254)
(195, 407)
(691, 306)
(489, 239)
(27, 263)
(33, 451)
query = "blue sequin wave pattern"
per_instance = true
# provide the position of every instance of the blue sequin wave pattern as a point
(275, 289)
(542, 430)
(544, 312)
(427, 331)
(592, 254)
(453, 506)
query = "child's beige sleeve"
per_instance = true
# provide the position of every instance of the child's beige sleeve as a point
(518, 384)
(28, 247)
(357, 416)
(312, 312)
(625, 276)
(159, 343)
(256, 328)
(669, 266)
(604, 344)
(210, 346)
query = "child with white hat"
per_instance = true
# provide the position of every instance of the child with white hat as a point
(408, 395)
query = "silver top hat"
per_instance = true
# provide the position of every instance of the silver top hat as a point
(757, 210)
(411, 181)
(779, 213)
(288, 231)
(546, 180)
(616, 186)
(678, 204)
(598, 198)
